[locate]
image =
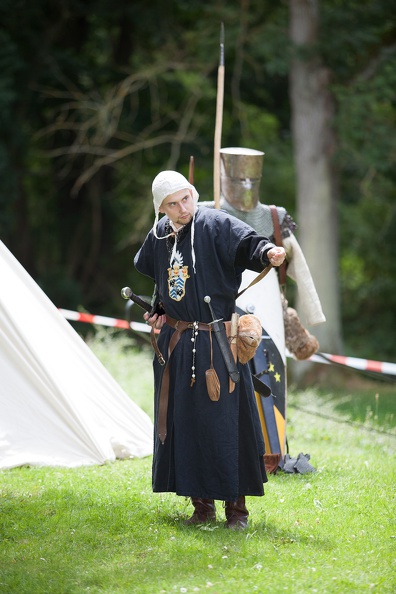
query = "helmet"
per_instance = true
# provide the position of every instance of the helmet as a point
(240, 172)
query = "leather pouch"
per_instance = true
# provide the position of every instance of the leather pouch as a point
(249, 337)
(212, 384)
(212, 379)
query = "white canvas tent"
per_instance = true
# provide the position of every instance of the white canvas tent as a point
(59, 406)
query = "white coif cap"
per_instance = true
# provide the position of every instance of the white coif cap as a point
(165, 184)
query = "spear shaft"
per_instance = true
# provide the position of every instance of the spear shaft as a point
(191, 170)
(219, 122)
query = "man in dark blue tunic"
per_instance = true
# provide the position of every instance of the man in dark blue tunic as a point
(204, 448)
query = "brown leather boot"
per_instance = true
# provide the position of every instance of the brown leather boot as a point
(236, 513)
(204, 511)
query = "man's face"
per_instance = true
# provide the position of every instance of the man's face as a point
(179, 207)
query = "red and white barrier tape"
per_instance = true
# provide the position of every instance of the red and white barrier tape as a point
(76, 316)
(353, 362)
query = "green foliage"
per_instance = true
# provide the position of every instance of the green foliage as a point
(368, 273)
(96, 98)
(356, 35)
(367, 158)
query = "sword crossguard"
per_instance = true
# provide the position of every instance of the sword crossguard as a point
(208, 300)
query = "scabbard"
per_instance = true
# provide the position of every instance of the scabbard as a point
(233, 344)
(225, 349)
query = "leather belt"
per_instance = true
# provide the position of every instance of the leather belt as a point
(180, 326)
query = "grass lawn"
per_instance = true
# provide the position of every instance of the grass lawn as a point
(100, 529)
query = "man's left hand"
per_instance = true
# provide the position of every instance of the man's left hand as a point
(276, 256)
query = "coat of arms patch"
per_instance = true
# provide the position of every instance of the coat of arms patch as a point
(177, 276)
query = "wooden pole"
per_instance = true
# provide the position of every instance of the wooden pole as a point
(219, 122)
(191, 170)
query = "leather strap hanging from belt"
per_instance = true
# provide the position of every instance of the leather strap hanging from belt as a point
(180, 326)
(154, 344)
(278, 242)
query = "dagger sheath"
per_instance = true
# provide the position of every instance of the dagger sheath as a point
(222, 340)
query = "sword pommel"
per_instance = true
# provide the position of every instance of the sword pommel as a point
(126, 292)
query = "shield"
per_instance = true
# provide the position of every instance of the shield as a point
(269, 362)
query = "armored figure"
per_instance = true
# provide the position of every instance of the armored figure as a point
(241, 172)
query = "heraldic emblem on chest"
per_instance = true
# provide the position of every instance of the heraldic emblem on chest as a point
(177, 276)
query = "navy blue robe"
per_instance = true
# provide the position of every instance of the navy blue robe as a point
(212, 450)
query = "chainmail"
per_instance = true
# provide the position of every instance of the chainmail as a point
(260, 218)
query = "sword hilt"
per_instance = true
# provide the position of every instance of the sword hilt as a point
(208, 300)
(127, 293)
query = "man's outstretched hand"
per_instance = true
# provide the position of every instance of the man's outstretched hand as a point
(276, 255)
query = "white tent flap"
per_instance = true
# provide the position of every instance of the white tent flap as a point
(59, 405)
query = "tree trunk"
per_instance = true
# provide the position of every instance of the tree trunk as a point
(312, 107)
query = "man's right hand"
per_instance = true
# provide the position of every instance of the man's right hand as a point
(155, 321)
